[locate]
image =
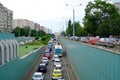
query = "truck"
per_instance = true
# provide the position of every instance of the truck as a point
(58, 50)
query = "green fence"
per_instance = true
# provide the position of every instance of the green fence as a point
(92, 63)
(6, 35)
(16, 69)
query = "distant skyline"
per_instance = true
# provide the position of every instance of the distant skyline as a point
(48, 13)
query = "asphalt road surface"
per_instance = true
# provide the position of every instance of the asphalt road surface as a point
(48, 75)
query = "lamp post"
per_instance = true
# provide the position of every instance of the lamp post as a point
(73, 6)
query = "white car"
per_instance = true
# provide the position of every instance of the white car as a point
(38, 76)
(58, 66)
(55, 57)
(57, 61)
(45, 60)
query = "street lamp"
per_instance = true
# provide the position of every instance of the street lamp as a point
(73, 6)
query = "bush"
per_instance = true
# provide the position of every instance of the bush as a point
(35, 42)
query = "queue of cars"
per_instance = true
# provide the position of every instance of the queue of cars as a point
(57, 68)
(105, 41)
(45, 60)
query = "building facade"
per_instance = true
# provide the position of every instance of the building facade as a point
(37, 26)
(22, 23)
(6, 19)
(1, 17)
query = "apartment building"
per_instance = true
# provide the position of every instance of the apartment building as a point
(1, 17)
(6, 19)
(22, 23)
(37, 26)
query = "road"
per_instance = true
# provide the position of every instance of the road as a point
(48, 75)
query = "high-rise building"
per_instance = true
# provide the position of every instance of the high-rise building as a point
(22, 23)
(37, 26)
(1, 17)
(6, 19)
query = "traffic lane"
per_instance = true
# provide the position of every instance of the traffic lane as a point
(48, 74)
(64, 72)
(50, 67)
(49, 70)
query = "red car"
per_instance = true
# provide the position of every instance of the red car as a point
(47, 55)
(93, 40)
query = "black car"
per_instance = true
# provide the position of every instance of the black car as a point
(42, 68)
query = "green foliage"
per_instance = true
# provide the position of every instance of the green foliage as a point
(25, 31)
(16, 31)
(63, 33)
(37, 37)
(78, 29)
(69, 29)
(101, 18)
(45, 39)
(35, 42)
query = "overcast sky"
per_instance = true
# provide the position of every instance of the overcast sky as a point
(51, 14)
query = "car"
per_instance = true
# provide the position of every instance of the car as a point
(42, 68)
(84, 39)
(47, 55)
(44, 60)
(107, 42)
(56, 74)
(57, 61)
(38, 76)
(47, 50)
(50, 45)
(58, 66)
(55, 57)
(93, 40)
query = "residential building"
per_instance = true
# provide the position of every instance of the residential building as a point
(1, 17)
(37, 26)
(22, 23)
(6, 19)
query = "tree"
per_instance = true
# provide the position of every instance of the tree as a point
(16, 31)
(33, 33)
(101, 18)
(78, 29)
(26, 31)
(69, 29)
(41, 33)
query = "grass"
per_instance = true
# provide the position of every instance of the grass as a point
(25, 49)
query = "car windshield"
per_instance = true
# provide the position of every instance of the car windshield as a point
(57, 61)
(57, 72)
(44, 59)
(42, 66)
(37, 76)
